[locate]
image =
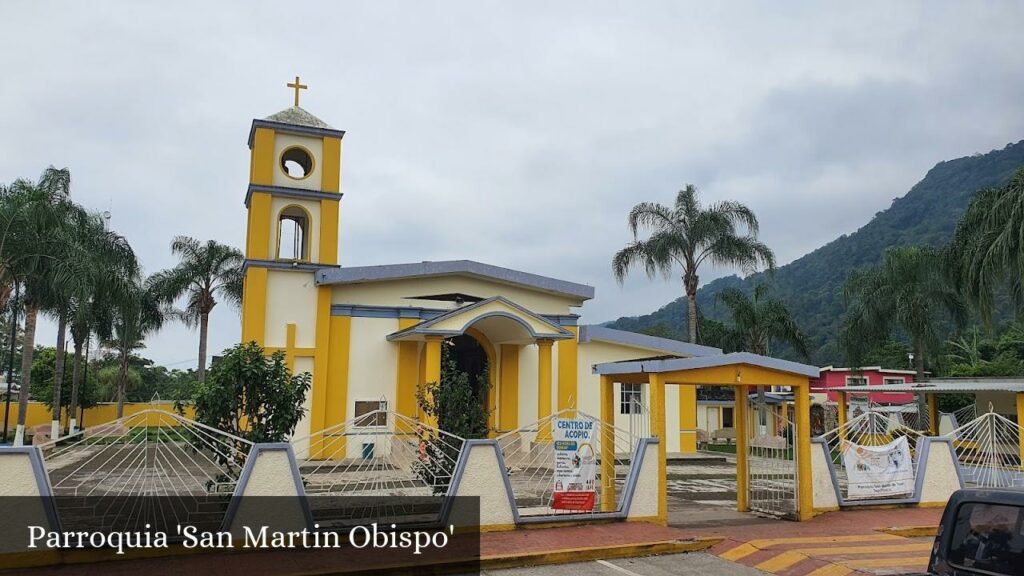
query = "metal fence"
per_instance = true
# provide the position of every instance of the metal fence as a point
(380, 465)
(868, 429)
(150, 467)
(988, 449)
(529, 457)
(771, 465)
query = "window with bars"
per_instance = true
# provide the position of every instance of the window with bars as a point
(630, 399)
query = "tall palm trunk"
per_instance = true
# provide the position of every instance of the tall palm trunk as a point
(28, 344)
(122, 384)
(690, 282)
(204, 323)
(75, 373)
(58, 375)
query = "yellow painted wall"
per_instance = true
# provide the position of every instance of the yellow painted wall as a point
(597, 352)
(509, 387)
(291, 299)
(39, 414)
(568, 372)
(408, 372)
(398, 293)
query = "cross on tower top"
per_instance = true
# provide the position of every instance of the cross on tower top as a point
(297, 86)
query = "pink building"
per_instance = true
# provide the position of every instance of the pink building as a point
(832, 377)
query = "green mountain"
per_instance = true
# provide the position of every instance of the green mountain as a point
(811, 285)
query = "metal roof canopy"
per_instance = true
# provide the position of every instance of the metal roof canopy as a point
(1014, 385)
(680, 364)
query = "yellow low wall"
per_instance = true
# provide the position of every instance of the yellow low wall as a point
(39, 413)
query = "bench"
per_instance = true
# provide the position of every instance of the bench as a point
(726, 434)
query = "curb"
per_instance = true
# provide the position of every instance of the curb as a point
(571, 555)
(910, 531)
(496, 561)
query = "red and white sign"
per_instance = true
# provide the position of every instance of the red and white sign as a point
(575, 465)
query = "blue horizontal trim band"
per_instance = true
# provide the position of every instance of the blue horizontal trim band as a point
(284, 128)
(369, 311)
(283, 265)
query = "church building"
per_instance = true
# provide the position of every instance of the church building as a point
(371, 335)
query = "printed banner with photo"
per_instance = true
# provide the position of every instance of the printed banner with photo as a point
(878, 471)
(575, 465)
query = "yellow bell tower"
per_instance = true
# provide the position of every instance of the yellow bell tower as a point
(293, 202)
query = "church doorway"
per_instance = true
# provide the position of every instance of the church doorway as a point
(471, 357)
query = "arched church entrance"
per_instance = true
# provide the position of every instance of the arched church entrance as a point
(471, 357)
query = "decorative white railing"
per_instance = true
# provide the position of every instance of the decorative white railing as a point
(869, 429)
(377, 457)
(529, 457)
(988, 449)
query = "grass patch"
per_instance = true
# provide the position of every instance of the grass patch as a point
(723, 448)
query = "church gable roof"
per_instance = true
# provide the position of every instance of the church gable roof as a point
(297, 116)
(295, 120)
(362, 274)
(458, 320)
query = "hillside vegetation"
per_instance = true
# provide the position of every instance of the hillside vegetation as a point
(811, 285)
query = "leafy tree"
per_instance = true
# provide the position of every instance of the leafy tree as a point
(909, 294)
(888, 354)
(459, 408)
(688, 235)
(252, 395)
(659, 331)
(44, 371)
(111, 380)
(987, 250)
(204, 271)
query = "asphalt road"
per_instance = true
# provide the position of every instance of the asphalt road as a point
(696, 564)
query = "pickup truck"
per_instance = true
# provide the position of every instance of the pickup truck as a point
(982, 532)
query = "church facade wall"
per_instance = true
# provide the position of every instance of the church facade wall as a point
(401, 293)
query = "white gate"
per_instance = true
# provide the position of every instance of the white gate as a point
(771, 461)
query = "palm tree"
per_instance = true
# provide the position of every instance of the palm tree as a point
(137, 314)
(88, 307)
(757, 322)
(689, 235)
(909, 293)
(204, 271)
(38, 252)
(987, 251)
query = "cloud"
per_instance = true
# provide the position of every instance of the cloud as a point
(516, 134)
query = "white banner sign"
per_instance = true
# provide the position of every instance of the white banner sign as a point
(575, 465)
(878, 471)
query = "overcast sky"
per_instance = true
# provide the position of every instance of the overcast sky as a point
(518, 134)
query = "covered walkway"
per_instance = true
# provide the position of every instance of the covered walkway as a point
(739, 370)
